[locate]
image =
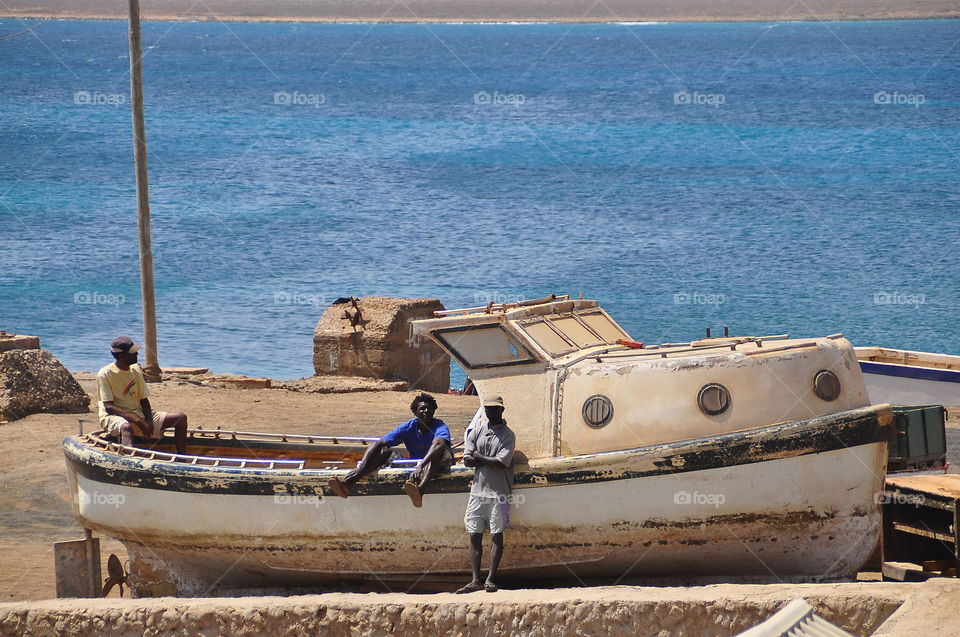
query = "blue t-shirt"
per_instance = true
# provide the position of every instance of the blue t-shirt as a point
(418, 444)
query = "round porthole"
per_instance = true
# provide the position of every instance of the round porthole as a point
(826, 385)
(713, 399)
(597, 411)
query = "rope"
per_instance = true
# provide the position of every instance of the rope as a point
(34, 26)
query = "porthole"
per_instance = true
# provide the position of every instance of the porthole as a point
(826, 385)
(597, 411)
(714, 399)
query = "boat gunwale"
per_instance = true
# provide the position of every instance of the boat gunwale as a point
(865, 425)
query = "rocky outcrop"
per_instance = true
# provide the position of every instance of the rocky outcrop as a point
(370, 337)
(33, 381)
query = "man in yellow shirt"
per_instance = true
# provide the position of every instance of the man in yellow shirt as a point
(124, 404)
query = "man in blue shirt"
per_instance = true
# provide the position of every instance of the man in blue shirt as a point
(426, 439)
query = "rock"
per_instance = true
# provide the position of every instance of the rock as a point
(34, 381)
(240, 382)
(371, 337)
(185, 371)
(340, 384)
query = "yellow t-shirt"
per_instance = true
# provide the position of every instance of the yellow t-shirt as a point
(125, 389)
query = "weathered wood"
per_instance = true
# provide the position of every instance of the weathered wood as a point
(151, 369)
(904, 572)
(77, 567)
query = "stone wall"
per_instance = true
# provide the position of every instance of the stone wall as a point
(370, 337)
(720, 610)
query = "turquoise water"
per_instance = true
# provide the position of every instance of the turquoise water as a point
(790, 177)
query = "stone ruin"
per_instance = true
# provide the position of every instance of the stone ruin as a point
(33, 381)
(370, 337)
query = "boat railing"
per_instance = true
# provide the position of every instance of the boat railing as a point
(491, 307)
(259, 435)
(206, 461)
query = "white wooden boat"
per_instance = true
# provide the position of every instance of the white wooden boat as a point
(724, 458)
(905, 377)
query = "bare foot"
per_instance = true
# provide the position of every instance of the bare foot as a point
(413, 491)
(490, 587)
(470, 588)
(337, 486)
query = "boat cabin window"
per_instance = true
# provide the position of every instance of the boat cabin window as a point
(547, 337)
(477, 346)
(604, 326)
(565, 333)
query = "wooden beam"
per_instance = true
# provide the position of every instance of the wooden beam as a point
(151, 370)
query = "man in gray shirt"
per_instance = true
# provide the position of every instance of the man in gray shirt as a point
(488, 447)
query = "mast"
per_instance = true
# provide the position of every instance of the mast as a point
(151, 369)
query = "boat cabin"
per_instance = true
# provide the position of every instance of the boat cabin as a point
(575, 382)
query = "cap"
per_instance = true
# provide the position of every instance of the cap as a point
(124, 344)
(493, 401)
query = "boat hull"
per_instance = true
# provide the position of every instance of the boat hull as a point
(911, 385)
(795, 501)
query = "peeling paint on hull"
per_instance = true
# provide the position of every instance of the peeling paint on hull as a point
(743, 504)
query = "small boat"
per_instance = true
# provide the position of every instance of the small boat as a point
(904, 377)
(736, 458)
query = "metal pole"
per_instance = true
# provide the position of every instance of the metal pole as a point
(151, 369)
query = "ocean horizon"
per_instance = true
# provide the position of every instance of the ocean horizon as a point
(771, 177)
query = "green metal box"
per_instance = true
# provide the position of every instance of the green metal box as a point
(919, 440)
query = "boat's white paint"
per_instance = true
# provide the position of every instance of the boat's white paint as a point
(655, 399)
(728, 527)
(898, 387)
(897, 390)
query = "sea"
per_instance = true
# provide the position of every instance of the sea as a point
(773, 178)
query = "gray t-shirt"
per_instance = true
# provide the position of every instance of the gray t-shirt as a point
(490, 481)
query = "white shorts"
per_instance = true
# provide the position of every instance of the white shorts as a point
(112, 424)
(487, 513)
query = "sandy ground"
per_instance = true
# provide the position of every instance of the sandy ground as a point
(35, 512)
(491, 10)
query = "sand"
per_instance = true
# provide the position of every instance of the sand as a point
(491, 10)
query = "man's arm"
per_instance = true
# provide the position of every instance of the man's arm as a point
(480, 459)
(147, 412)
(504, 455)
(470, 442)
